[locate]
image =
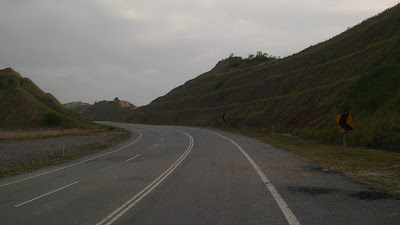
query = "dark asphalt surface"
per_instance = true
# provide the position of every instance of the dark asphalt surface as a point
(172, 182)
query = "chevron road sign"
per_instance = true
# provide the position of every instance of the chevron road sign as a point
(344, 122)
(223, 117)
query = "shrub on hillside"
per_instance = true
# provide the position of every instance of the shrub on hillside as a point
(52, 119)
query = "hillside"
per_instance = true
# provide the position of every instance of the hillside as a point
(24, 105)
(116, 110)
(357, 71)
(79, 106)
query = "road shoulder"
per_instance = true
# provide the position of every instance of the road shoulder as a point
(378, 169)
(29, 155)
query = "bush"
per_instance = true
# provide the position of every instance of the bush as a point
(52, 119)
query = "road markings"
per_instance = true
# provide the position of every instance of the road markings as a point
(290, 217)
(133, 158)
(43, 195)
(155, 145)
(61, 168)
(139, 196)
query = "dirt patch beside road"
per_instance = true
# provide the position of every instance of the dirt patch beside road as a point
(23, 156)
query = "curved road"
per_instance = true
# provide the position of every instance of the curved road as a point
(182, 175)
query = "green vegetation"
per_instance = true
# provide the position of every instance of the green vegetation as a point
(355, 71)
(52, 119)
(379, 169)
(236, 62)
(23, 105)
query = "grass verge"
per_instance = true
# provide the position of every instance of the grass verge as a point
(24, 135)
(379, 169)
(117, 135)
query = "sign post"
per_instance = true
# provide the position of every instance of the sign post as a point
(344, 142)
(273, 131)
(344, 123)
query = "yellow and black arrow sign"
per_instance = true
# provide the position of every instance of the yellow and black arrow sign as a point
(344, 122)
(223, 117)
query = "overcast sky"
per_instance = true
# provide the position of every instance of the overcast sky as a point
(92, 50)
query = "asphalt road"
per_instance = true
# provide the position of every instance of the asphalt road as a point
(182, 175)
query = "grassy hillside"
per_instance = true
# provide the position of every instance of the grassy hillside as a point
(357, 71)
(116, 110)
(24, 105)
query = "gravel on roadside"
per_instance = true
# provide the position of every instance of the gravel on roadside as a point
(23, 156)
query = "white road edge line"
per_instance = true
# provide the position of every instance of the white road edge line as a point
(61, 168)
(290, 217)
(133, 158)
(112, 217)
(43, 195)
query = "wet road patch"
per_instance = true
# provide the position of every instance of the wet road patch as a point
(313, 191)
(372, 195)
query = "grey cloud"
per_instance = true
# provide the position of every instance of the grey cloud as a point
(138, 50)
